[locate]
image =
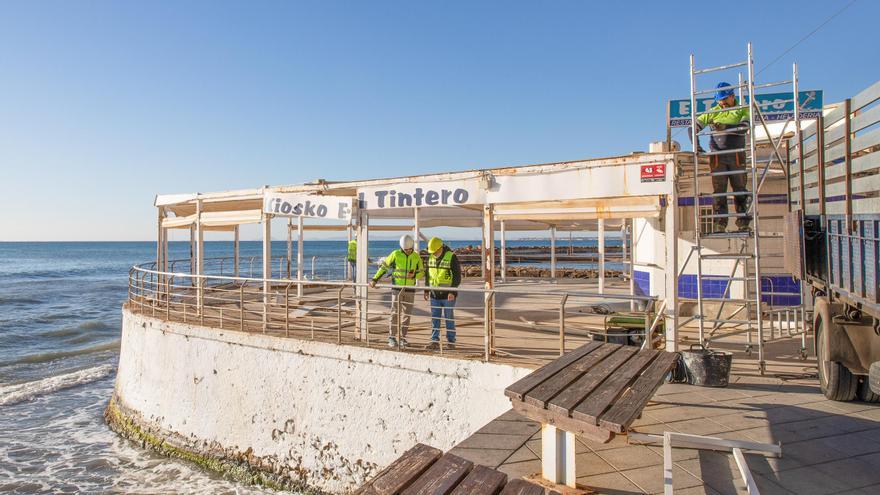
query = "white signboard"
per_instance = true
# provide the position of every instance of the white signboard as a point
(422, 195)
(304, 205)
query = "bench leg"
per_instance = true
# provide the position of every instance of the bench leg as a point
(557, 455)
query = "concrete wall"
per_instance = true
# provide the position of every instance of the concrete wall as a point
(321, 414)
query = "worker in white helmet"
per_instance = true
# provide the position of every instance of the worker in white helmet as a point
(405, 268)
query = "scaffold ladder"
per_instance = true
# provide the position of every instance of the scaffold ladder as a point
(744, 252)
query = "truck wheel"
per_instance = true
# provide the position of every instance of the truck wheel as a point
(836, 382)
(865, 393)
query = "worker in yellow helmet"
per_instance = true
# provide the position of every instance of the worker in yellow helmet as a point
(351, 258)
(406, 268)
(444, 271)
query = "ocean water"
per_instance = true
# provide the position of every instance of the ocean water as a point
(60, 316)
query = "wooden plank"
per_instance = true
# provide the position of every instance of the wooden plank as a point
(481, 481)
(522, 487)
(519, 389)
(590, 431)
(402, 472)
(601, 398)
(633, 400)
(540, 395)
(866, 119)
(569, 398)
(441, 477)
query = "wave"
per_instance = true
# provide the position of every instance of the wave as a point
(18, 300)
(51, 356)
(71, 331)
(11, 394)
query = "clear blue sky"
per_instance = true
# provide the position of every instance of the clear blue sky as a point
(103, 105)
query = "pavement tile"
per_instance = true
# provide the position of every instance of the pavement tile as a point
(804, 481)
(493, 441)
(631, 457)
(650, 478)
(487, 457)
(697, 490)
(520, 469)
(851, 473)
(768, 465)
(522, 454)
(740, 421)
(589, 464)
(767, 485)
(616, 442)
(610, 484)
(526, 428)
(714, 468)
(700, 426)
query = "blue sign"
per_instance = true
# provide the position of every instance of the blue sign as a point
(773, 107)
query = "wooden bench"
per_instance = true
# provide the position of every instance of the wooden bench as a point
(424, 470)
(595, 391)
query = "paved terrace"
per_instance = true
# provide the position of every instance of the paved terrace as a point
(828, 447)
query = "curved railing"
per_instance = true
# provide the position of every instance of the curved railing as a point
(522, 323)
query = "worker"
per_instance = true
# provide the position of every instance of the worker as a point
(444, 270)
(351, 258)
(405, 267)
(729, 129)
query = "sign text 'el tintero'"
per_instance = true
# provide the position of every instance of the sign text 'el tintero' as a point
(421, 194)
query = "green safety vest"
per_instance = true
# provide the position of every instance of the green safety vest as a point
(400, 265)
(729, 117)
(352, 251)
(440, 270)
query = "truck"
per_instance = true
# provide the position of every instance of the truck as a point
(832, 237)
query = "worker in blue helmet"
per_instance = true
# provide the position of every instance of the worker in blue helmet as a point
(728, 133)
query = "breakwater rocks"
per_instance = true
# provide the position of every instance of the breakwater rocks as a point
(473, 271)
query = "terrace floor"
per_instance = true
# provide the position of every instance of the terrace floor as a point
(828, 447)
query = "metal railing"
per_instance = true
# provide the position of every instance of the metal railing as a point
(530, 325)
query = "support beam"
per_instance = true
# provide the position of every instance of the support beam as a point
(483, 248)
(289, 245)
(362, 266)
(671, 273)
(488, 280)
(557, 455)
(299, 257)
(503, 253)
(632, 262)
(236, 251)
(200, 256)
(348, 274)
(416, 231)
(160, 243)
(601, 255)
(267, 259)
(553, 253)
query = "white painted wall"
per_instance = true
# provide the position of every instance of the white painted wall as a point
(334, 413)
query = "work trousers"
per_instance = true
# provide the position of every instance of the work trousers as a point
(404, 299)
(442, 308)
(728, 163)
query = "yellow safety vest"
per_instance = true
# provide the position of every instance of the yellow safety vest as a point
(400, 266)
(440, 270)
(352, 251)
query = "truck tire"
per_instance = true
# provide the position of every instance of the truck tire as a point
(835, 380)
(865, 394)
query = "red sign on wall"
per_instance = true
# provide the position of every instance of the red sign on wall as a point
(654, 173)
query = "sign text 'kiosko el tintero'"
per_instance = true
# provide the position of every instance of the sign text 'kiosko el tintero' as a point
(422, 194)
(304, 205)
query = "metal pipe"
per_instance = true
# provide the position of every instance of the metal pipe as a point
(757, 242)
(720, 67)
(601, 255)
(697, 241)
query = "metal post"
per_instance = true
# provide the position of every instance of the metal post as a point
(362, 265)
(267, 264)
(557, 455)
(799, 138)
(339, 315)
(632, 263)
(416, 235)
(757, 239)
(236, 256)
(241, 307)
(348, 274)
(697, 242)
(287, 307)
(601, 255)
(503, 253)
(820, 162)
(160, 235)
(489, 275)
(299, 257)
(562, 324)
(200, 258)
(847, 162)
(289, 244)
(553, 252)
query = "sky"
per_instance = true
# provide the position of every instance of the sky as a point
(103, 105)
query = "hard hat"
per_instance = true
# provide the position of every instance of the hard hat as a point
(723, 93)
(434, 244)
(406, 242)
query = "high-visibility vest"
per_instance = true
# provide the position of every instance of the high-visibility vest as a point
(440, 270)
(352, 251)
(400, 266)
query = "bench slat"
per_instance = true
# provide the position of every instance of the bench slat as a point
(630, 404)
(522, 487)
(441, 477)
(402, 472)
(572, 396)
(521, 387)
(540, 395)
(603, 397)
(481, 481)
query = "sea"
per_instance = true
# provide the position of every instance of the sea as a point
(60, 318)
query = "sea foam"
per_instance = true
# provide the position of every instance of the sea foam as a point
(11, 394)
